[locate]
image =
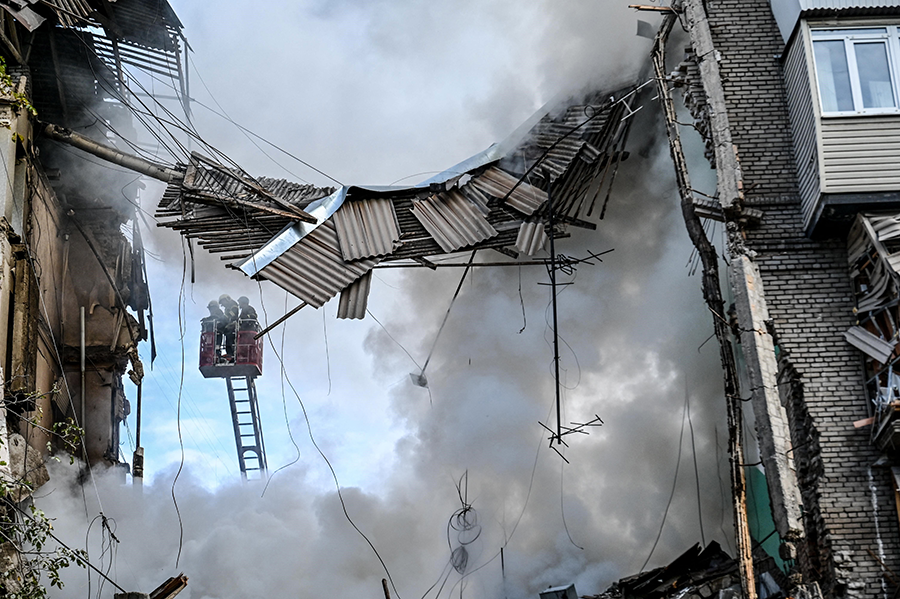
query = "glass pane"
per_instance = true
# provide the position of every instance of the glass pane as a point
(833, 75)
(874, 75)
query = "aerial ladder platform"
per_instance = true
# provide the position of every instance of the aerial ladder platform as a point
(248, 434)
(239, 369)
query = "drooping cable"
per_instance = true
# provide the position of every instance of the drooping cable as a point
(722, 495)
(249, 133)
(672, 494)
(687, 400)
(337, 483)
(522, 303)
(282, 372)
(49, 532)
(181, 332)
(562, 495)
(325, 459)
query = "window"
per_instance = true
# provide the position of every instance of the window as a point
(857, 70)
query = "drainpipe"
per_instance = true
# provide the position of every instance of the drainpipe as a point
(129, 161)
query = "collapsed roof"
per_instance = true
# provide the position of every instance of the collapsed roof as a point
(316, 242)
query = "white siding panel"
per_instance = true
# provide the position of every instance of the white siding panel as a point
(787, 12)
(839, 4)
(803, 124)
(861, 154)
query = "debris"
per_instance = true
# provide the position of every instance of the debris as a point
(419, 379)
(480, 203)
(560, 592)
(709, 572)
(645, 29)
(170, 588)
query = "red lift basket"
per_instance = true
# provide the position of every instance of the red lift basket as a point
(247, 358)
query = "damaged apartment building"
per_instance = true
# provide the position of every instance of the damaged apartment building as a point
(74, 302)
(799, 104)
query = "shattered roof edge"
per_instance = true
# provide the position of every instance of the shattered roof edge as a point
(322, 209)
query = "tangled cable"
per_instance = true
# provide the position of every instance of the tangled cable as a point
(464, 522)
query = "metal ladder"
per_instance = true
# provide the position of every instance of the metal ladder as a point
(247, 428)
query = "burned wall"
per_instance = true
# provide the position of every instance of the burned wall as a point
(852, 519)
(61, 253)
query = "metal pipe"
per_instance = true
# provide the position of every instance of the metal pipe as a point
(129, 161)
(137, 433)
(279, 321)
(555, 317)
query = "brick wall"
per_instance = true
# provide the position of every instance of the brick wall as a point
(808, 291)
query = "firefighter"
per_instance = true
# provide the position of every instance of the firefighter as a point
(215, 322)
(248, 314)
(231, 311)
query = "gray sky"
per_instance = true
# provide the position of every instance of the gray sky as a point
(376, 92)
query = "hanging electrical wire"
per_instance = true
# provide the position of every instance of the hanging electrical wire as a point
(687, 400)
(282, 373)
(464, 522)
(672, 493)
(248, 133)
(181, 332)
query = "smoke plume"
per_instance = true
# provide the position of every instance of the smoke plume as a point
(384, 92)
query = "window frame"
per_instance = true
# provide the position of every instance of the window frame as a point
(851, 36)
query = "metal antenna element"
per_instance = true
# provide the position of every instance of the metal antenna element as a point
(567, 265)
(555, 319)
(561, 431)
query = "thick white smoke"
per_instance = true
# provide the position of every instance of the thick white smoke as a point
(372, 92)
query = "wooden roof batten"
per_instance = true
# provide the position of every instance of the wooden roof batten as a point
(265, 223)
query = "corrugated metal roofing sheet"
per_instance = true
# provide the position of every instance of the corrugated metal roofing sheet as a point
(532, 238)
(574, 150)
(886, 226)
(452, 220)
(870, 259)
(313, 269)
(367, 228)
(355, 298)
(880, 229)
(497, 182)
(24, 14)
(869, 344)
(879, 290)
